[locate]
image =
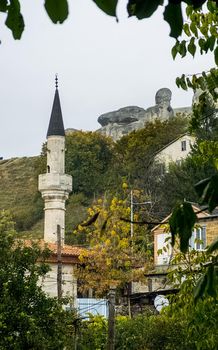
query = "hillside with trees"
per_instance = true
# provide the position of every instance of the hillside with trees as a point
(98, 166)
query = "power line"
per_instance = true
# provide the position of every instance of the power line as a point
(93, 306)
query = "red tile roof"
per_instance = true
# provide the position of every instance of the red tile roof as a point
(66, 251)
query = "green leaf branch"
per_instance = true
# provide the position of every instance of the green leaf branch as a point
(201, 31)
(58, 12)
(208, 282)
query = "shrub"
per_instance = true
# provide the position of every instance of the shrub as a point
(93, 334)
(139, 333)
(148, 333)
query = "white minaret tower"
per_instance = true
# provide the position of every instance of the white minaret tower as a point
(55, 185)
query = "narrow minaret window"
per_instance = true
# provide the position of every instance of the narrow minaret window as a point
(55, 185)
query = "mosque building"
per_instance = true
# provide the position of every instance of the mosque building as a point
(55, 187)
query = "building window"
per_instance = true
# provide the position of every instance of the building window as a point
(198, 239)
(183, 145)
(48, 169)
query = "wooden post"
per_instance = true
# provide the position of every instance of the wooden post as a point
(129, 286)
(131, 215)
(111, 320)
(129, 291)
(59, 262)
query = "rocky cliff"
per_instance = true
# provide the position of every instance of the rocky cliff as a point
(119, 123)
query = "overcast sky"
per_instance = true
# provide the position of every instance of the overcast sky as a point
(102, 66)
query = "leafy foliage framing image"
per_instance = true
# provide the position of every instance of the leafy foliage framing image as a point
(58, 12)
(29, 318)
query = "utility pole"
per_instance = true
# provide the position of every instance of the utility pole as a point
(131, 214)
(129, 286)
(59, 262)
(132, 203)
(111, 319)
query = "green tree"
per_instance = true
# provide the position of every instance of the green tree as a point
(195, 316)
(200, 33)
(204, 122)
(136, 157)
(89, 159)
(136, 151)
(178, 183)
(201, 30)
(29, 319)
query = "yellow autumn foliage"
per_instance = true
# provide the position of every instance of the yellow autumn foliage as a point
(124, 243)
(124, 186)
(107, 242)
(112, 257)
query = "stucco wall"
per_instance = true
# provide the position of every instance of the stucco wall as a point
(69, 286)
(173, 152)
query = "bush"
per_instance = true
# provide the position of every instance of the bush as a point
(148, 333)
(29, 318)
(140, 333)
(93, 334)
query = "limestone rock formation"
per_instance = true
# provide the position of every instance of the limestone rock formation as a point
(125, 115)
(118, 123)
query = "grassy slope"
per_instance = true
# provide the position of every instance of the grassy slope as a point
(19, 194)
(18, 189)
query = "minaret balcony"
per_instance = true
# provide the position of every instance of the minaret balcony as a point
(52, 181)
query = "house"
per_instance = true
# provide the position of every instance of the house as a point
(205, 232)
(69, 260)
(176, 150)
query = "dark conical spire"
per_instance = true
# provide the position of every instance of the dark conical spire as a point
(56, 125)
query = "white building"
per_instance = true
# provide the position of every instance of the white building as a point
(176, 150)
(55, 187)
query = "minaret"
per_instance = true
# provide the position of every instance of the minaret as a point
(55, 185)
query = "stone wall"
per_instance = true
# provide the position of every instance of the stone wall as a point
(212, 230)
(211, 224)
